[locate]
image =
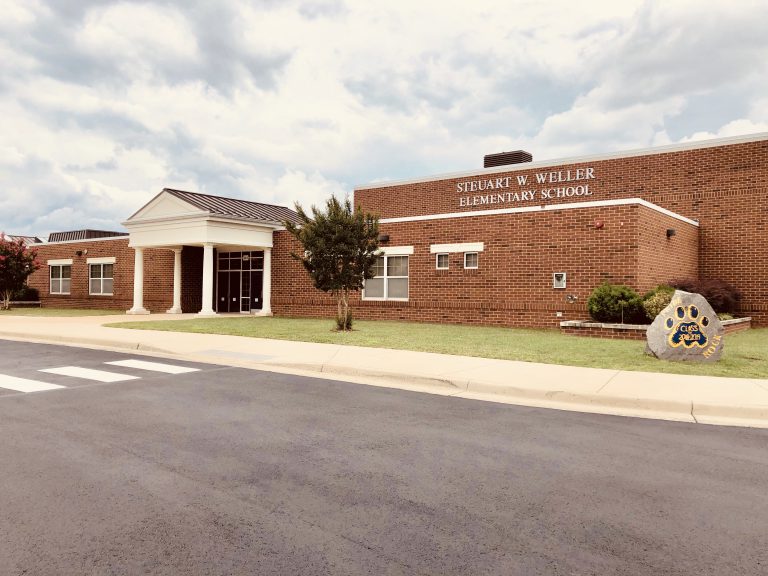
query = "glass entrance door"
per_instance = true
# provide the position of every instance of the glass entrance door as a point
(245, 287)
(239, 281)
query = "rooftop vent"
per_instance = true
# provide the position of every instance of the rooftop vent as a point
(503, 158)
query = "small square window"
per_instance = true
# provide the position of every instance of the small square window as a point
(470, 260)
(441, 262)
(558, 280)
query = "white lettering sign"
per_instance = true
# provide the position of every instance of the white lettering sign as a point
(555, 184)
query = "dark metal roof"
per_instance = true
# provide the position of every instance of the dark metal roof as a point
(234, 207)
(82, 235)
(28, 240)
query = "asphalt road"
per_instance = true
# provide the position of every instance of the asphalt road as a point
(233, 471)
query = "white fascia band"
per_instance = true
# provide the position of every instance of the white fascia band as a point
(462, 247)
(542, 208)
(395, 250)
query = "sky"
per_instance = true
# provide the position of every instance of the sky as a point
(104, 103)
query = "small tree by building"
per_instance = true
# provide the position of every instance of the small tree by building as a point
(17, 262)
(340, 246)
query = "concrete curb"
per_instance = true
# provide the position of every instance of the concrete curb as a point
(86, 342)
(694, 412)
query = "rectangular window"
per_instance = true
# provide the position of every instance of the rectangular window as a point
(390, 281)
(61, 278)
(441, 262)
(470, 260)
(101, 279)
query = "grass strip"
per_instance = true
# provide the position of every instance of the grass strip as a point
(745, 354)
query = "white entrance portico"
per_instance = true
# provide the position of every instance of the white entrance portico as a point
(236, 240)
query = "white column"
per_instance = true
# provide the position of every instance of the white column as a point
(138, 283)
(266, 289)
(176, 308)
(207, 309)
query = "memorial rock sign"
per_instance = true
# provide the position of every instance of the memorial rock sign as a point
(688, 329)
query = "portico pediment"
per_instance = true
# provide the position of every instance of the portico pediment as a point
(164, 206)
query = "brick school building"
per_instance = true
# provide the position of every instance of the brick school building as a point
(516, 243)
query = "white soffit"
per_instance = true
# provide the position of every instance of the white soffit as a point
(462, 247)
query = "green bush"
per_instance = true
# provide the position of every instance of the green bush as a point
(26, 294)
(616, 303)
(656, 300)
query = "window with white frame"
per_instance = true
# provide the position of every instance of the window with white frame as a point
(441, 261)
(470, 260)
(61, 278)
(101, 279)
(390, 280)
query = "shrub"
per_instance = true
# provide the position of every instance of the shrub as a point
(616, 303)
(656, 300)
(721, 295)
(27, 294)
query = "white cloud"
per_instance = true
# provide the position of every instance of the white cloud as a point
(19, 14)
(140, 33)
(104, 103)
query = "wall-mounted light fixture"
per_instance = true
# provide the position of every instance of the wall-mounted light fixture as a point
(383, 238)
(571, 298)
(671, 232)
(599, 224)
(79, 252)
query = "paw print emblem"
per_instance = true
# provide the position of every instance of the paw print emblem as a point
(685, 327)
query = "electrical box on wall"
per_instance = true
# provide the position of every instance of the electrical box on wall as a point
(558, 280)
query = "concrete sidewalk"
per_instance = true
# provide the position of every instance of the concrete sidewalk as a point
(701, 399)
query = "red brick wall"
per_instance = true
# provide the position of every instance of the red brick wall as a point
(631, 333)
(158, 276)
(610, 333)
(513, 284)
(662, 258)
(725, 188)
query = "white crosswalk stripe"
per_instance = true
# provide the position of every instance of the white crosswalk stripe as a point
(28, 385)
(25, 385)
(90, 374)
(153, 366)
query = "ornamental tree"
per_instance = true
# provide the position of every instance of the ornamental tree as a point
(17, 262)
(340, 248)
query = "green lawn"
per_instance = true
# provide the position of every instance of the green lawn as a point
(57, 312)
(745, 354)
